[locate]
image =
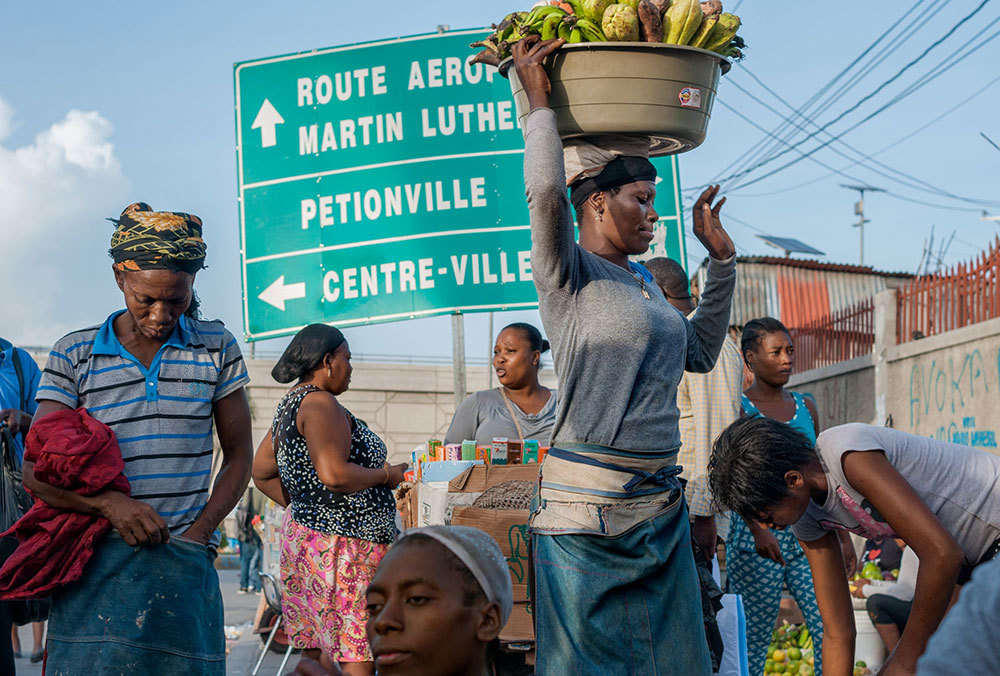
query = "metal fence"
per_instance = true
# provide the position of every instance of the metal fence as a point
(966, 294)
(839, 336)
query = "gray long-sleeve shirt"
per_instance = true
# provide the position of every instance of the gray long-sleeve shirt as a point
(618, 355)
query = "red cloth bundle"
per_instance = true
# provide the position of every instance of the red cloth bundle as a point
(76, 452)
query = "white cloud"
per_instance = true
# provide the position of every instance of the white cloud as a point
(54, 196)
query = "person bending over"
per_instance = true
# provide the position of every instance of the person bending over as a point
(876, 482)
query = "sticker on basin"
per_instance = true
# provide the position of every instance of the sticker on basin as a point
(690, 97)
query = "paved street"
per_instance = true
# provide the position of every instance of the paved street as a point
(243, 652)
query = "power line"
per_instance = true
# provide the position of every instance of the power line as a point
(858, 104)
(875, 60)
(730, 217)
(989, 140)
(897, 99)
(926, 185)
(895, 143)
(836, 171)
(766, 141)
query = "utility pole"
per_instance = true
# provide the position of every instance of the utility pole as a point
(859, 211)
(489, 357)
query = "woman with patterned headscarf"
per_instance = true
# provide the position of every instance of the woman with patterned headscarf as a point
(158, 378)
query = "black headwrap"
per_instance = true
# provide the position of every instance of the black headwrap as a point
(618, 172)
(148, 240)
(306, 351)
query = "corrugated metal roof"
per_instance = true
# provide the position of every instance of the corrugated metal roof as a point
(799, 291)
(820, 265)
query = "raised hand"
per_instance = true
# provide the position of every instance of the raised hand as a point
(708, 228)
(529, 53)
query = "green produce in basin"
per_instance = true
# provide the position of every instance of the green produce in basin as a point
(682, 21)
(620, 23)
(723, 33)
(594, 9)
(634, 4)
(704, 30)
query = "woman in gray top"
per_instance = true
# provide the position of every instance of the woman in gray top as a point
(521, 408)
(611, 539)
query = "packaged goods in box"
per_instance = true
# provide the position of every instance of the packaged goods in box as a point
(498, 453)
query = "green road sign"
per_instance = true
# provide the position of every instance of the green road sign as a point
(383, 181)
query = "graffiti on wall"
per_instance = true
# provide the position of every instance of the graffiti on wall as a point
(947, 394)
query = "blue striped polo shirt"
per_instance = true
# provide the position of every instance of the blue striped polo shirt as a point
(162, 416)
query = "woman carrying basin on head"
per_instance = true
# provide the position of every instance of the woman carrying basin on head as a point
(611, 531)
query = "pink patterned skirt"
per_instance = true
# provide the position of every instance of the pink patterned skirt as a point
(325, 578)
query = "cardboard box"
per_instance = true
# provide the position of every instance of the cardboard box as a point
(435, 503)
(478, 478)
(521, 625)
(408, 506)
(444, 470)
(509, 528)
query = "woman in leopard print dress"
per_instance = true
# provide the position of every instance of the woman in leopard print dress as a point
(330, 470)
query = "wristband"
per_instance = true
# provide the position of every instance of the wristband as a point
(386, 482)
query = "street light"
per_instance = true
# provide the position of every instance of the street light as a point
(859, 211)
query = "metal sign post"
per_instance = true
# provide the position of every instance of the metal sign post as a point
(458, 356)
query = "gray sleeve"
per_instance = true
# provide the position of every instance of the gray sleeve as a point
(707, 329)
(554, 255)
(973, 616)
(466, 421)
(807, 528)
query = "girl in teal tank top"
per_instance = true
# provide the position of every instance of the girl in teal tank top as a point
(802, 420)
(760, 562)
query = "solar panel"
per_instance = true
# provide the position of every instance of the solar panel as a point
(790, 245)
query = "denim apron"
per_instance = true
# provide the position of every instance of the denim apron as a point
(140, 610)
(612, 558)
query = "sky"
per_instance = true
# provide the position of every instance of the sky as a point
(103, 104)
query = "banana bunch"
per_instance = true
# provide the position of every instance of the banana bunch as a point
(704, 25)
(676, 22)
(572, 20)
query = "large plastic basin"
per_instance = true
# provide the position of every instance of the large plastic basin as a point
(662, 91)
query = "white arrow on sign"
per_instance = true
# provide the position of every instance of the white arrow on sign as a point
(267, 118)
(278, 292)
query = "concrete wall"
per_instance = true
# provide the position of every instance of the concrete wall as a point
(948, 386)
(844, 392)
(945, 386)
